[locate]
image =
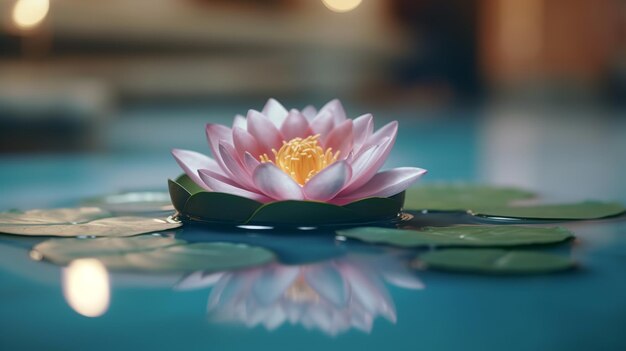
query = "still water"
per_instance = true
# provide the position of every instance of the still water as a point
(323, 292)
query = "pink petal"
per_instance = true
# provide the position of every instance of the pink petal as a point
(364, 159)
(191, 162)
(245, 142)
(218, 185)
(389, 130)
(323, 123)
(365, 166)
(336, 109)
(295, 126)
(275, 112)
(328, 183)
(265, 133)
(220, 177)
(216, 133)
(275, 183)
(250, 162)
(236, 170)
(387, 183)
(240, 121)
(340, 139)
(363, 128)
(387, 137)
(309, 112)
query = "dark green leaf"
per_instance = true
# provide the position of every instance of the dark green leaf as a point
(196, 204)
(461, 197)
(475, 236)
(583, 210)
(495, 261)
(178, 194)
(188, 184)
(377, 207)
(219, 207)
(303, 213)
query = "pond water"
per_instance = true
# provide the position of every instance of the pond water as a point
(326, 292)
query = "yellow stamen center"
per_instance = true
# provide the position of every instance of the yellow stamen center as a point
(302, 158)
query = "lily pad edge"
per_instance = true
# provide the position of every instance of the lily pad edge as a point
(181, 198)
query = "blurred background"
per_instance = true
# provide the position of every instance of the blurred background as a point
(529, 93)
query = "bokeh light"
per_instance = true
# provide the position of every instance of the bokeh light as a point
(341, 5)
(29, 14)
(86, 287)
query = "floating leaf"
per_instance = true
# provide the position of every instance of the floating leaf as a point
(496, 202)
(583, 210)
(383, 207)
(312, 213)
(470, 235)
(207, 257)
(219, 207)
(461, 197)
(495, 261)
(154, 254)
(303, 213)
(188, 184)
(195, 204)
(63, 251)
(52, 216)
(133, 202)
(111, 226)
(178, 194)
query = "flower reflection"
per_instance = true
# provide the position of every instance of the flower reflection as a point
(86, 287)
(332, 296)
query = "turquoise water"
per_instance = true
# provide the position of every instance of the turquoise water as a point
(328, 293)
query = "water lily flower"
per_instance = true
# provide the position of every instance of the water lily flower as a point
(278, 154)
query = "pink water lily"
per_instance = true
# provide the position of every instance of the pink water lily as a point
(277, 154)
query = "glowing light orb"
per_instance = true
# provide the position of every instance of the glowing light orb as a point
(341, 5)
(86, 287)
(29, 14)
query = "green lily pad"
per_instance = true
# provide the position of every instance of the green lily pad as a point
(188, 184)
(196, 204)
(302, 213)
(470, 235)
(154, 254)
(583, 210)
(178, 194)
(495, 261)
(63, 251)
(496, 202)
(132, 202)
(193, 202)
(219, 207)
(384, 207)
(51, 216)
(103, 227)
(461, 197)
